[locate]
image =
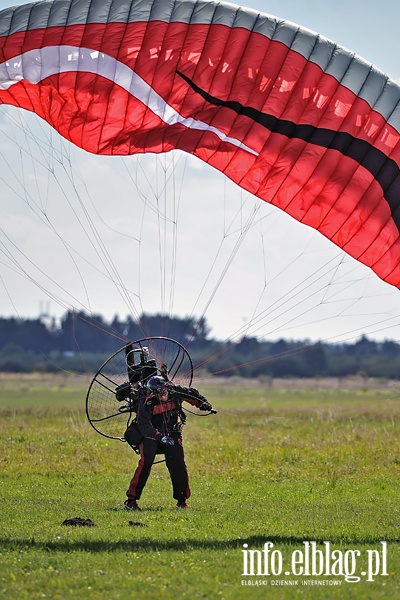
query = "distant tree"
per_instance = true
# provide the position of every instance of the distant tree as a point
(391, 349)
(364, 347)
(183, 330)
(14, 359)
(314, 360)
(29, 334)
(280, 347)
(80, 332)
(249, 346)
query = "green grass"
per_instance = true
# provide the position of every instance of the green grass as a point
(285, 466)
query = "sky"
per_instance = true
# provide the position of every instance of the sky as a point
(169, 234)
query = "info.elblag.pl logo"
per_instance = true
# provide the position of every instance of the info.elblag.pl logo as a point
(310, 561)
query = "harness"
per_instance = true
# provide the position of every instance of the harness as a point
(167, 409)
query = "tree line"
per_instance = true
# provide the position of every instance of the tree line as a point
(80, 342)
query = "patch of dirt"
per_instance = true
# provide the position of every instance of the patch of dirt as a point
(79, 521)
(136, 524)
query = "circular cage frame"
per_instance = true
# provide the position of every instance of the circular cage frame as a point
(110, 417)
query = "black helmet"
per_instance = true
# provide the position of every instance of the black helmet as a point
(156, 384)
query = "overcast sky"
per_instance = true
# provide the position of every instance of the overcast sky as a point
(168, 234)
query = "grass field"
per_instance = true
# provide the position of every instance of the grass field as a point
(286, 466)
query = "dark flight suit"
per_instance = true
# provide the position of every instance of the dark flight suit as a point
(155, 420)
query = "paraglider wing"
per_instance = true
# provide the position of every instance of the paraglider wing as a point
(285, 113)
